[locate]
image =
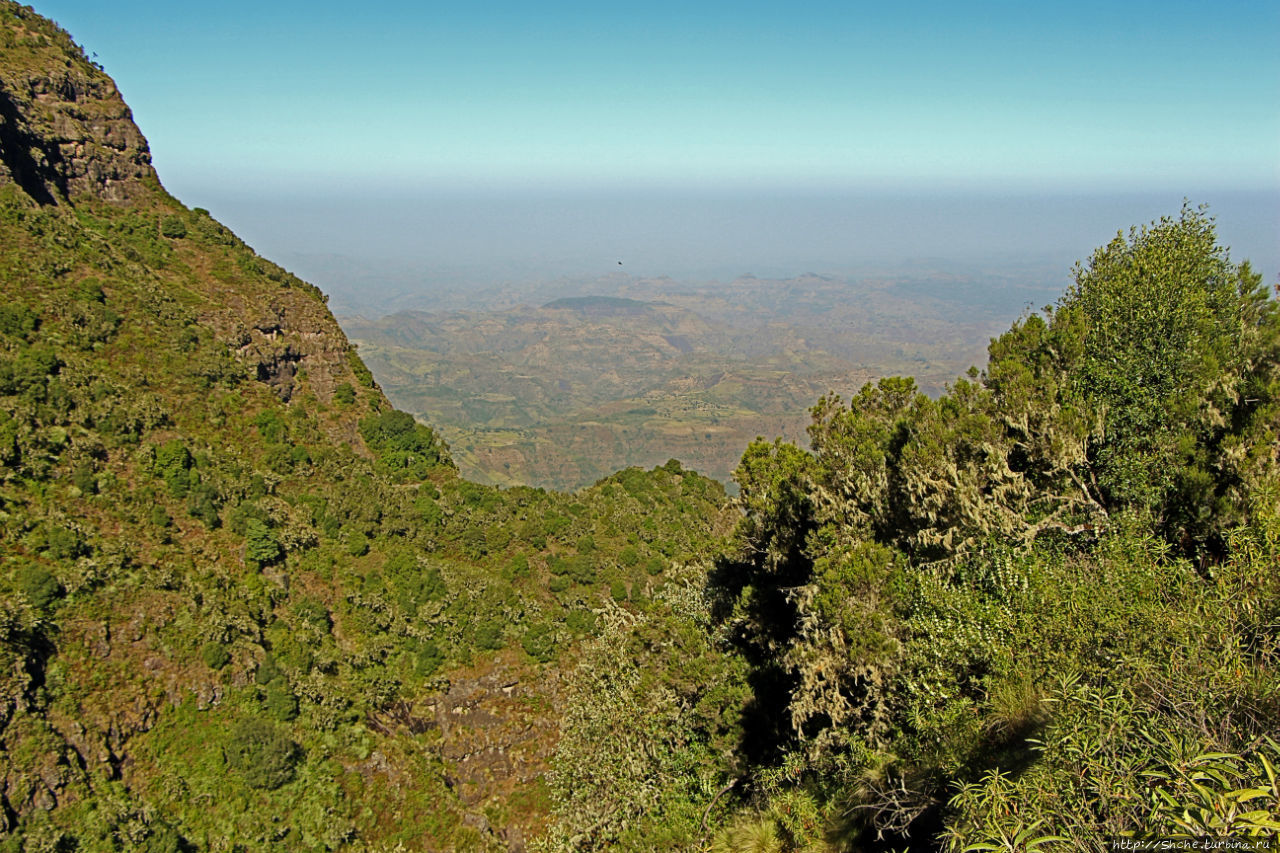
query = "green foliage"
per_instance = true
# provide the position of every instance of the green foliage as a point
(412, 583)
(580, 622)
(173, 465)
(489, 635)
(18, 321)
(279, 701)
(344, 394)
(270, 426)
(202, 504)
(261, 547)
(215, 655)
(1041, 605)
(539, 641)
(173, 227)
(261, 753)
(885, 587)
(428, 659)
(667, 703)
(409, 450)
(357, 542)
(362, 373)
(39, 585)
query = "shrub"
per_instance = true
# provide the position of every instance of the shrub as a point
(279, 701)
(539, 642)
(202, 504)
(314, 613)
(406, 448)
(261, 754)
(160, 517)
(344, 394)
(357, 543)
(62, 543)
(18, 321)
(173, 228)
(83, 478)
(173, 465)
(39, 585)
(428, 659)
(517, 567)
(489, 635)
(260, 546)
(581, 621)
(270, 425)
(215, 655)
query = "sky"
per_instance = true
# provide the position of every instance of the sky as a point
(430, 115)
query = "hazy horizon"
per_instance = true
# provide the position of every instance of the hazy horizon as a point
(373, 252)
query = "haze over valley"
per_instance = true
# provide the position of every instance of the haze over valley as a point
(463, 323)
(631, 372)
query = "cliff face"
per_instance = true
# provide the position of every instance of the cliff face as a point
(68, 141)
(64, 129)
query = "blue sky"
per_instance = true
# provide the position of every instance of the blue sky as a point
(1080, 95)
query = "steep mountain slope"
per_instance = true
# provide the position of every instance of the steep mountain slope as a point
(243, 602)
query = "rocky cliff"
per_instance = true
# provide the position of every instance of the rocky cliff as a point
(64, 129)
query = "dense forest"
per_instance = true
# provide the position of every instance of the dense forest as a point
(245, 604)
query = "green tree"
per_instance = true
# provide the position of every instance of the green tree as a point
(261, 548)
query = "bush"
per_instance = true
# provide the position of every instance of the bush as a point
(279, 701)
(173, 228)
(39, 585)
(344, 394)
(270, 425)
(62, 543)
(413, 584)
(517, 567)
(357, 543)
(489, 635)
(539, 642)
(260, 545)
(160, 517)
(403, 446)
(18, 321)
(314, 613)
(428, 659)
(261, 754)
(581, 622)
(202, 504)
(215, 655)
(173, 465)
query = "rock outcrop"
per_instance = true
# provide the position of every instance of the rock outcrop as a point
(64, 129)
